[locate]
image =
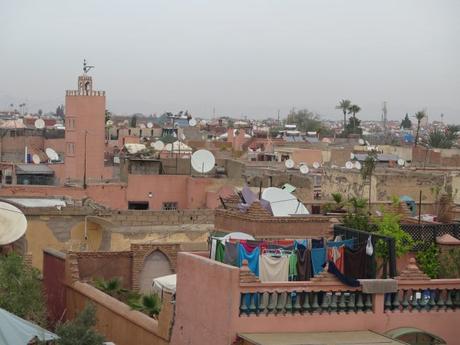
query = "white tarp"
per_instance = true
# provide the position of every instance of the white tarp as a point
(165, 283)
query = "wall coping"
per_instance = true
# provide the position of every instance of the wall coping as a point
(55, 253)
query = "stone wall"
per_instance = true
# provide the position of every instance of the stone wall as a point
(138, 218)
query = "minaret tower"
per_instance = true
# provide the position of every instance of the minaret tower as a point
(84, 132)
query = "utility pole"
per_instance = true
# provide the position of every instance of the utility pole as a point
(384, 117)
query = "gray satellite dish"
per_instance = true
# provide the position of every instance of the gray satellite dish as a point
(149, 125)
(289, 164)
(52, 155)
(283, 203)
(304, 169)
(39, 124)
(158, 145)
(358, 165)
(13, 223)
(349, 165)
(401, 162)
(203, 161)
(36, 159)
(192, 122)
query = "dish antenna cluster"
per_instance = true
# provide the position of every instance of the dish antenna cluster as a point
(203, 161)
(283, 203)
(13, 223)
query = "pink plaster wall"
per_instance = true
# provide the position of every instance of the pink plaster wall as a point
(308, 156)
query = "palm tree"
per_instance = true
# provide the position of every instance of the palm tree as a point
(419, 116)
(344, 105)
(354, 109)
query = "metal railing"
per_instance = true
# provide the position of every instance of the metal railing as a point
(425, 234)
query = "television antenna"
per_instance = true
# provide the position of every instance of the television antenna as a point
(13, 223)
(86, 67)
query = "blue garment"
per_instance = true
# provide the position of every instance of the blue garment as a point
(253, 259)
(318, 258)
(317, 243)
(348, 243)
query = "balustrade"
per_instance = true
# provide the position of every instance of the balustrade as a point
(422, 299)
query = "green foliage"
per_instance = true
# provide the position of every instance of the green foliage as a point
(357, 218)
(450, 264)
(108, 116)
(428, 261)
(133, 121)
(80, 330)
(358, 204)
(406, 123)
(419, 116)
(60, 111)
(274, 131)
(305, 120)
(112, 287)
(369, 165)
(443, 139)
(344, 105)
(388, 225)
(353, 126)
(149, 304)
(21, 290)
(338, 198)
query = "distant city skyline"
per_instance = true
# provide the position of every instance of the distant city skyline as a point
(239, 58)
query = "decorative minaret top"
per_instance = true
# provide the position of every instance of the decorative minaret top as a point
(85, 84)
(86, 67)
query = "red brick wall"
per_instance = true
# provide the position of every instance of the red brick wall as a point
(54, 286)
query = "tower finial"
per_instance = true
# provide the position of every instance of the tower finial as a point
(86, 67)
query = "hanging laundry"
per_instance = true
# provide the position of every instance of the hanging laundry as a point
(335, 254)
(348, 243)
(356, 263)
(292, 267)
(220, 251)
(253, 259)
(369, 246)
(332, 268)
(300, 242)
(318, 258)
(317, 243)
(273, 269)
(304, 271)
(250, 245)
(231, 253)
(212, 254)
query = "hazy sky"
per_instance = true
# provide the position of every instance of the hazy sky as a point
(243, 57)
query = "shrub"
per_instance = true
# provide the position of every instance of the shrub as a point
(428, 261)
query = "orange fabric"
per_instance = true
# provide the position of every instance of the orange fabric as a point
(339, 262)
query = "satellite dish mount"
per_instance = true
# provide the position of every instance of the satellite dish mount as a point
(86, 67)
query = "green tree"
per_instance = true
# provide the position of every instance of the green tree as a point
(40, 112)
(388, 225)
(367, 170)
(305, 120)
(354, 109)
(21, 290)
(149, 304)
(108, 115)
(428, 260)
(80, 330)
(60, 111)
(419, 116)
(406, 123)
(344, 105)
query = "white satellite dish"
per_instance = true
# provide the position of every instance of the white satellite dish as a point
(158, 145)
(203, 161)
(109, 123)
(401, 162)
(349, 165)
(52, 155)
(352, 155)
(13, 223)
(39, 124)
(358, 165)
(304, 169)
(36, 159)
(192, 122)
(367, 143)
(289, 164)
(361, 142)
(149, 125)
(316, 165)
(142, 126)
(283, 203)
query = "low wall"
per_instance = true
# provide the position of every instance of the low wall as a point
(115, 320)
(54, 286)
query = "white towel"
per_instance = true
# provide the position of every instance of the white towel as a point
(273, 269)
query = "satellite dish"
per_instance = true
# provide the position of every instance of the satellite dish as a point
(142, 126)
(158, 145)
(289, 164)
(13, 223)
(367, 143)
(316, 165)
(361, 142)
(52, 155)
(149, 125)
(109, 123)
(304, 169)
(192, 122)
(349, 165)
(39, 124)
(203, 161)
(401, 162)
(352, 155)
(283, 203)
(358, 165)
(182, 136)
(36, 159)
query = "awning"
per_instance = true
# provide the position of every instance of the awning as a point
(33, 169)
(14, 330)
(165, 284)
(318, 338)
